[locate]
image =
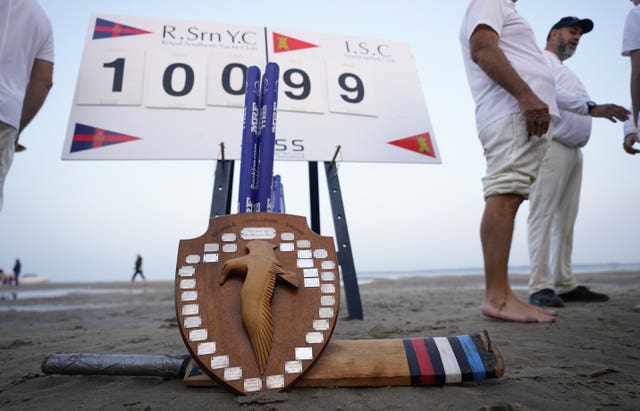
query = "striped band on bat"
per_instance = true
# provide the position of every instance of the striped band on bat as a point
(448, 360)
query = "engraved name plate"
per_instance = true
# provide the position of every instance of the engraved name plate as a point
(187, 284)
(327, 276)
(230, 248)
(198, 335)
(304, 262)
(325, 312)
(286, 247)
(193, 259)
(304, 243)
(293, 367)
(206, 348)
(252, 384)
(287, 236)
(311, 282)
(304, 353)
(186, 271)
(310, 272)
(232, 373)
(192, 322)
(320, 253)
(211, 258)
(327, 300)
(211, 248)
(275, 381)
(190, 309)
(227, 237)
(314, 338)
(258, 233)
(327, 289)
(321, 325)
(219, 361)
(328, 265)
(189, 296)
(305, 254)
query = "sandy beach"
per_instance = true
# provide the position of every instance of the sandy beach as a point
(588, 359)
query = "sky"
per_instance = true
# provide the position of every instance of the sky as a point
(86, 220)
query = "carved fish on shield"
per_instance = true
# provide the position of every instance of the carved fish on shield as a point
(257, 299)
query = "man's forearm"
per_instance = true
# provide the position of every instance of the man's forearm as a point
(37, 90)
(635, 84)
(486, 53)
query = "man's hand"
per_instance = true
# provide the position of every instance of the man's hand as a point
(629, 140)
(611, 111)
(536, 114)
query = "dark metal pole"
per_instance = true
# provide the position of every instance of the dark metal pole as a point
(314, 197)
(345, 256)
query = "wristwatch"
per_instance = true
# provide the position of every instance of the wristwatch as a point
(590, 105)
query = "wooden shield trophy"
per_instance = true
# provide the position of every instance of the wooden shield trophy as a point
(257, 299)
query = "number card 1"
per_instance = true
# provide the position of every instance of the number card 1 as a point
(102, 81)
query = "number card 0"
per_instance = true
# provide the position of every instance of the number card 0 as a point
(169, 89)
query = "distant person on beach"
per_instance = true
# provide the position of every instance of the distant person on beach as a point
(16, 271)
(26, 72)
(555, 195)
(138, 270)
(631, 49)
(514, 92)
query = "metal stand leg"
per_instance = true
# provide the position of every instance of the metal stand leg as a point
(221, 198)
(345, 256)
(314, 197)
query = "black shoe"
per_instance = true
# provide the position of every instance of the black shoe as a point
(546, 298)
(583, 294)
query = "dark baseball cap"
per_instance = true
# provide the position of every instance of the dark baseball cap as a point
(586, 24)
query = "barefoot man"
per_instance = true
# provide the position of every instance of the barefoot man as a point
(514, 92)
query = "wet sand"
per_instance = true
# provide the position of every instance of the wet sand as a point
(589, 359)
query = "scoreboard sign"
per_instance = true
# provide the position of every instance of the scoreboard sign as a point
(168, 89)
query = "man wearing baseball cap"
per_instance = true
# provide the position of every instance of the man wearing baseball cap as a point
(585, 24)
(556, 192)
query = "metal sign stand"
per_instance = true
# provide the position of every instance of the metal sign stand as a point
(345, 256)
(221, 205)
(223, 180)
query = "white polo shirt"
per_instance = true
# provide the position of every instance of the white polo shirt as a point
(25, 35)
(631, 32)
(517, 41)
(573, 128)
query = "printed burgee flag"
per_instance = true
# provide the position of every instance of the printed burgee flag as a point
(420, 143)
(87, 138)
(107, 29)
(282, 43)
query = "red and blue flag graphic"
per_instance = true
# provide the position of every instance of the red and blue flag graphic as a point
(87, 138)
(420, 143)
(107, 29)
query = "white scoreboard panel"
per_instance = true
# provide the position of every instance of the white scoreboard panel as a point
(168, 89)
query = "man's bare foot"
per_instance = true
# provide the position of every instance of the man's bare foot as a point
(510, 308)
(541, 309)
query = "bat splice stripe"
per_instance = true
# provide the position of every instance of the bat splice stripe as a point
(471, 353)
(448, 360)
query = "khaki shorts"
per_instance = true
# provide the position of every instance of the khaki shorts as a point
(512, 157)
(8, 136)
